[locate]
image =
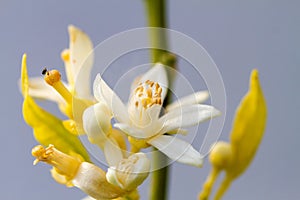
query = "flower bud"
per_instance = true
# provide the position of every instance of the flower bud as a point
(221, 155)
(130, 172)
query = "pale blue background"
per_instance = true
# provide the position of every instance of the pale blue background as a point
(239, 35)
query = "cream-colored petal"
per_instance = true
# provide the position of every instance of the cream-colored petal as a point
(187, 116)
(65, 56)
(81, 59)
(177, 150)
(129, 130)
(112, 151)
(96, 123)
(92, 180)
(135, 132)
(38, 88)
(112, 100)
(195, 98)
(97, 89)
(157, 74)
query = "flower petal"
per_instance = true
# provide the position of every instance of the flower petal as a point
(187, 116)
(112, 151)
(92, 180)
(81, 59)
(97, 89)
(144, 133)
(191, 99)
(157, 74)
(38, 88)
(112, 100)
(96, 123)
(65, 56)
(177, 150)
(129, 130)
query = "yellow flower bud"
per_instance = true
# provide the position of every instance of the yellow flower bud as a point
(247, 132)
(221, 155)
(248, 127)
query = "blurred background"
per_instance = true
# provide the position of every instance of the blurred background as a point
(239, 36)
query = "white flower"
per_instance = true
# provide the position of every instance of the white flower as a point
(141, 119)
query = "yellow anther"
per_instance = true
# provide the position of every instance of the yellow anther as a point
(148, 94)
(145, 102)
(39, 152)
(159, 90)
(53, 78)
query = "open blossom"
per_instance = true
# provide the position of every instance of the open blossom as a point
(70, 160)
(141, 119)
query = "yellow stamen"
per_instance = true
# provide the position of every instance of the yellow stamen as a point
(65, 164)
(148, 94)
(53, 78)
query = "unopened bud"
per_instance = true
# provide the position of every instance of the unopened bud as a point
(130, 172)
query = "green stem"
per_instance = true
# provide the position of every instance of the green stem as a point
(156, 16)
(159, 182)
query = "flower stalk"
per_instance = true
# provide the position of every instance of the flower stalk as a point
(156, 16)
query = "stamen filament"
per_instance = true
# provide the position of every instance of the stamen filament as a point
(63, 91)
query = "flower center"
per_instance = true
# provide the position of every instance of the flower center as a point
(148, 94)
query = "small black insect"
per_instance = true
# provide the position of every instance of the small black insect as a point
(45, 70)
